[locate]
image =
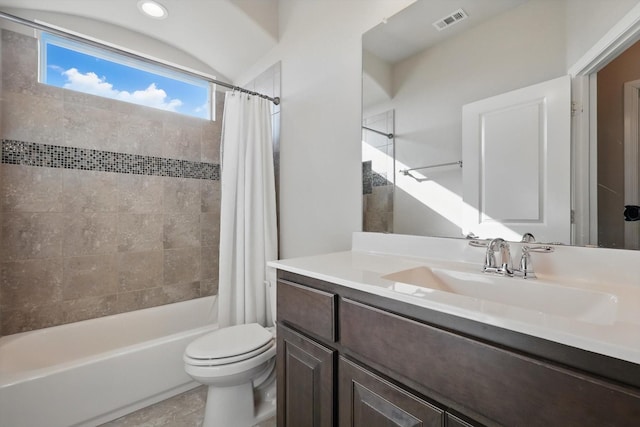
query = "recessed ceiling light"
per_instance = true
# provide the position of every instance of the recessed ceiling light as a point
(153, 9)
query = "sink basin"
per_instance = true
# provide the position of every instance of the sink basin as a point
(538, 295)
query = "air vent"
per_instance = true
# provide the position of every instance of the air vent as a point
(450, 20)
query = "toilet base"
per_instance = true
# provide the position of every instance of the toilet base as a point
(240, 405)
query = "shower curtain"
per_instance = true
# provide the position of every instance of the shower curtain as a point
(248, 235)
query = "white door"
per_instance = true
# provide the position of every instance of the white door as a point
(516, 163)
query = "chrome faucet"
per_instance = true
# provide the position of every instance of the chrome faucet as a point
(505, 268)
(525, 269)
(490, 265)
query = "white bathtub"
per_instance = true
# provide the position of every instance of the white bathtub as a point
(91, 372)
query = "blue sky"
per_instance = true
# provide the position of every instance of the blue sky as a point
(79, 71)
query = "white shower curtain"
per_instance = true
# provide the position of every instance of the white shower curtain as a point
(248, 235)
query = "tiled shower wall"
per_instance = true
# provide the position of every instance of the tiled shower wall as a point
(105, 206)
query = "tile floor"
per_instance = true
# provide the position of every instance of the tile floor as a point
(183, 410)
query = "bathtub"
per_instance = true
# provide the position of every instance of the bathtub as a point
(90, 372)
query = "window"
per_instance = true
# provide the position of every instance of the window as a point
(76, 66)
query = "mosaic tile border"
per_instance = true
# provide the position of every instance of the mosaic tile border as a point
(55, 156)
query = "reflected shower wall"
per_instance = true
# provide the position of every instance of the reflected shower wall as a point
(105, 206)
(378, 172)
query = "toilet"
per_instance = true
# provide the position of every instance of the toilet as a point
(237, 364)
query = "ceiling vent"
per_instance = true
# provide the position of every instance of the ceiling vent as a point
(451, 19)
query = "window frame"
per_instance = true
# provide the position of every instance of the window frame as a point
(128, 60)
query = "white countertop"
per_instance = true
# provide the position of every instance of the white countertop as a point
(362, 268)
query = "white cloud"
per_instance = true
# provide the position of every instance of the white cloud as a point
(91, 83)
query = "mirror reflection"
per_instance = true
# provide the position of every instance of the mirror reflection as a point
(417, 78)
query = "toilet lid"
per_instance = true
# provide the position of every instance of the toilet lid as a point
(230, 342)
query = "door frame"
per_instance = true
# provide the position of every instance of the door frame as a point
(584, 127)
(631, 159)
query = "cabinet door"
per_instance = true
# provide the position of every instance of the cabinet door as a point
(367, 400)
(453, 421)
(305, 381)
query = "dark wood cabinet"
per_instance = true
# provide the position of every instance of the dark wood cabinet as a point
(305, 372)
(368, 400)
(349, 359)
(453, 421)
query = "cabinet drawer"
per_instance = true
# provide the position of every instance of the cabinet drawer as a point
(509, 388)
(309, 309)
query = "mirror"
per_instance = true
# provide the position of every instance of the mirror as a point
(417, 77)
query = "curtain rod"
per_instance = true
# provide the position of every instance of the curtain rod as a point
(59, 32)
(388, 135)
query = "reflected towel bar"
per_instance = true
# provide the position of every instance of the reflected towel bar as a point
(388, 135)
(406, 171)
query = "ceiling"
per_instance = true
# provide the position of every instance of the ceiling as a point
(228, 36)
(411, 31)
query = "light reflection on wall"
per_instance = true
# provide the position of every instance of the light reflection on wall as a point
(437, 198)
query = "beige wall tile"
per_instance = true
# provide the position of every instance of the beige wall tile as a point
(89, 191)
(140, 194)
(140, 232)
(140, 270)
(152, 297)
(89, 276)
(32, 118)
(181, 195)
(30, 189)
(210, 228)
(90, 127)
(20, 66)
(27, 319)
(210, 195)
(182, 140)
(181, 231)
(181, 266)
(142, 111)
(209, 262)
(140, 135)
(88, 308)
(209, 287)
(182, 291)
(81, 99)
(31, 235)
(31, 283)
(90, 234)
(210, 145)
(144, 298)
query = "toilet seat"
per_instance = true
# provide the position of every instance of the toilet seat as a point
(229, 345)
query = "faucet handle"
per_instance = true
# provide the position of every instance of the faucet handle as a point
(479, 243)
(525, 269)
(528, 238)
(541, 249)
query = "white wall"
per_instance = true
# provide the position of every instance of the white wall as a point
(320, 49)
(589, 20)
(120, 37)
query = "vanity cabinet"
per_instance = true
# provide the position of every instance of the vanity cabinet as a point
(349, 358)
